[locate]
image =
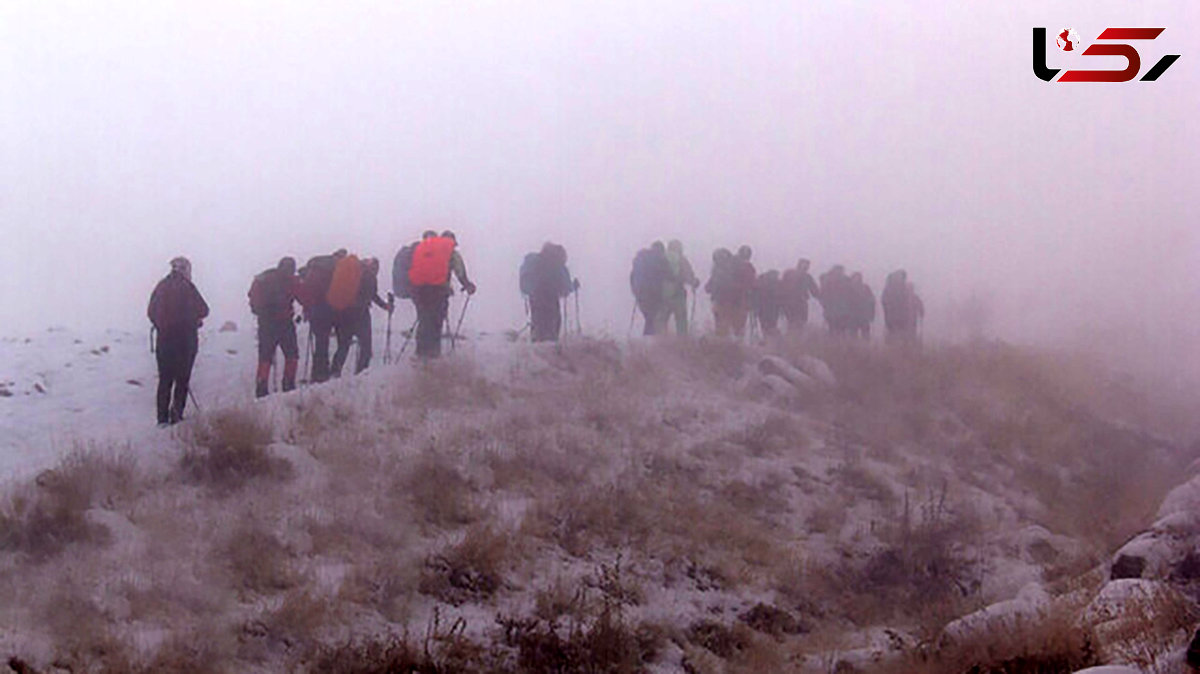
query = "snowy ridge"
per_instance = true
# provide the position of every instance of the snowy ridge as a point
(739, 509)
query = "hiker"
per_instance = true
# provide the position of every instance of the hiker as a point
(433, 261)
(271, 296)
(862, 304)
(720, 289)
(647, 280)
(353, 324)
(315, 278)
(918, 309)
(835, 300)
(744, 276)
(177, 311)
(545, 280)
(767, 302)
(902, 309)
(675, 288)
(796, 287)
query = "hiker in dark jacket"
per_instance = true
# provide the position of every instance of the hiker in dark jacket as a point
(545, 280)
(271, 296)
(315, 278)
(862, 302)
(767, 302)
(353, 324)
(651, 271)
(836, 300)
(744, 278)
(177, 311)
(902, 308)
(435, 260)
(797, 286)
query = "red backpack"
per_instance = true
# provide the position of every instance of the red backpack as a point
(431, 262)
(343, 289)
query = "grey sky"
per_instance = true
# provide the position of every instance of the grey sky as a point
(873, 134)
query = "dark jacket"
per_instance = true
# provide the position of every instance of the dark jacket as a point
(176, 306)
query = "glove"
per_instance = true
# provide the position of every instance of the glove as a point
(575, 284)
(469, 287)
(299, 320)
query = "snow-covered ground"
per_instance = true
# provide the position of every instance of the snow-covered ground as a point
(792, 509)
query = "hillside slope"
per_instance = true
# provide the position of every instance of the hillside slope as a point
(684, 506)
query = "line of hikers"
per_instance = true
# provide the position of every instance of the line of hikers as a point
(336, 292)
(740, 296)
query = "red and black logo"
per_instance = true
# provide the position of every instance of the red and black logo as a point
(1068, 41)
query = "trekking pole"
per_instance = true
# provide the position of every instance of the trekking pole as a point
(632, 316)
(152, 345)
(195, 403)
(411, 331)
(578, 323)
(461, 316)
(692, 313)
(387, 351)
(308, 354)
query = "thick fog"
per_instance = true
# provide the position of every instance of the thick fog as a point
(876, 135)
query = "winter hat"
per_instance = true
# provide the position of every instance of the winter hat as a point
(182, 266)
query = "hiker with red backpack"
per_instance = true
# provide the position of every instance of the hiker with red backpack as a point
(315, 279)
(176, 310)
(434, 259)
(271, 296)
(353, 323)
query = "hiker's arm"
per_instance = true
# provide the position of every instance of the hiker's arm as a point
(460, 271)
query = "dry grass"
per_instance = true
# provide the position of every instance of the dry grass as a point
(42, 519)
(469, 571)
(226, 450)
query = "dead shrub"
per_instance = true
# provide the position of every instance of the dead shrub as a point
(290, 630)
(440, 492)
(721, 640)
(772, 620)
(228, 449)
(471, 570)
(258, 561)
(43, 518)
(382, 584)
(604, 644)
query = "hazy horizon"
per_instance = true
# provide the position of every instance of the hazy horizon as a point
(875, 136)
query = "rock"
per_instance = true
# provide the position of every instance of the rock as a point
(1128, 566)
(779, 386)
(817, 369)
(1110, 669)
(133, 382)
(778, 367)
(228, 326)
(5, 393)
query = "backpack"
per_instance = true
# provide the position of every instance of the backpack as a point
(343, 287)
(647, 276)
(269, 295)
(315, 278)
(401, 286)
(529, 273)
(431, 262)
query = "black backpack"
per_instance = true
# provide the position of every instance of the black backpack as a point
(401, 285)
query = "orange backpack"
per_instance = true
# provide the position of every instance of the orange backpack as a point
(343, 289)
(431, 262)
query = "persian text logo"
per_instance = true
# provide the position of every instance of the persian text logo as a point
(1068, 41)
